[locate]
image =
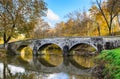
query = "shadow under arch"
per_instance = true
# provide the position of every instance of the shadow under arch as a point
(21, 47)
(79, 44)
(55, 46)
(48, 51)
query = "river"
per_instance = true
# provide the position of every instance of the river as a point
(50, 65)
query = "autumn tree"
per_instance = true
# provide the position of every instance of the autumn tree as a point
(96, 18)
(59, 29)
(18, 16)
(109, 10)
(41, 28)
(80, 23)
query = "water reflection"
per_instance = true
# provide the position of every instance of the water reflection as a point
(50, 60)
(76, 60)
(87, 62)
(26, 53)
(61, 75)
(51, 65)
(7, 71)
(30, 69)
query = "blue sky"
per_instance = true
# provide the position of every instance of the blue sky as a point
(57, 9)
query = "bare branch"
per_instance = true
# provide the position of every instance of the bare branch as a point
(99, 5)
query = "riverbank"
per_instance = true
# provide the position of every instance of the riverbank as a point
(108, 64)
(2, 53)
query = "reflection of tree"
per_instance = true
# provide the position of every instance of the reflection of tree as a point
(6, 71)
(36, 66)
(12, 71)
(86, 62)
(26, 54)
(7, 74)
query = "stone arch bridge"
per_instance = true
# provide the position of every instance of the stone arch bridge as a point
(66, 43)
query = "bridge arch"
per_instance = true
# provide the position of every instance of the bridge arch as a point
(46, 44)
(77, 44)
(21, 47)
(25, 51)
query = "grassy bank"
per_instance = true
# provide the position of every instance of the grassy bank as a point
(111, 61)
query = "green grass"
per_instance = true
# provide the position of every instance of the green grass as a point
(111, 60)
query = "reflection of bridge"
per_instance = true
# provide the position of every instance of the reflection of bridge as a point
(67, 44)
(68, 66)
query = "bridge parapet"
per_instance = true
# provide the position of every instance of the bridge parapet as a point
(111, 42)
(66, 44)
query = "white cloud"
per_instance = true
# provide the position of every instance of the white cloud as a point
(52, 16)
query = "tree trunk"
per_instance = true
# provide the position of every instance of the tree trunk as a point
(98, 28)
(6, 40)
(118, 20)
(110, 31)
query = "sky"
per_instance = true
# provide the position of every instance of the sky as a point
(57, 9)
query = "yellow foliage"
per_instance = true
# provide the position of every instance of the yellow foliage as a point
(26, 54)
